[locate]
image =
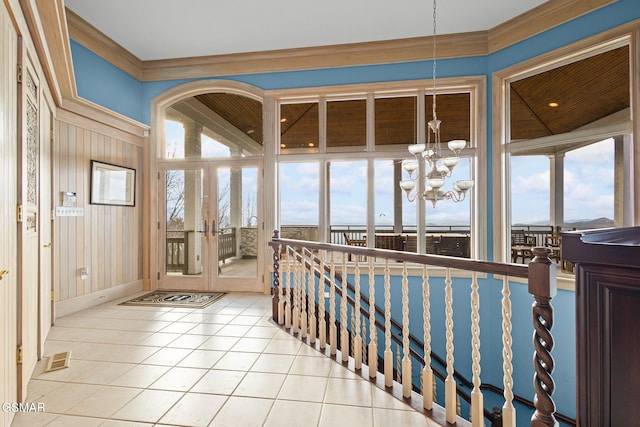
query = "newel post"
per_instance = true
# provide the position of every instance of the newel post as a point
(275, 291)
(543, 287)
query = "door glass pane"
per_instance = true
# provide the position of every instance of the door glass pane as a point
(184, 222)
(237, 222)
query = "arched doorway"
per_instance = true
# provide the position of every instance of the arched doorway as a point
(207, 155)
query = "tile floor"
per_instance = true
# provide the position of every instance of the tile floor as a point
(225, 365)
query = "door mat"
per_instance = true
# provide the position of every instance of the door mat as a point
(176, 299)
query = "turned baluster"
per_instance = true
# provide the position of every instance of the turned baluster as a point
(543, 287)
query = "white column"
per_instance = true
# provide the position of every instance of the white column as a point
(235, 201)
(623, 199)
(556, 189)
(193, 198)
(397, 196)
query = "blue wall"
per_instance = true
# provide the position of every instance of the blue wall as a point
(104, 84)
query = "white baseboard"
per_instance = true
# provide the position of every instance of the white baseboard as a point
(63, 308)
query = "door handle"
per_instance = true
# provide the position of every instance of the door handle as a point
(48, 245)
(213, 228)
(206, 227)
(2, 273)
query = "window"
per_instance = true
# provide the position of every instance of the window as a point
(565, 173)
(359, 154)
(346, 125)
(299, 192)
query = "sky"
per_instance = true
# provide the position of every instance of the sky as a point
(588, 189)
(588, 185)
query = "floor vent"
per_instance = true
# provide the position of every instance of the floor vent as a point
(58, 361)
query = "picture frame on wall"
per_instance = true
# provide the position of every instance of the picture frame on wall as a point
(112, 184)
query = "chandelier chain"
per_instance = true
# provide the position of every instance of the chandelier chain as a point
(439, 165)
(434, 62)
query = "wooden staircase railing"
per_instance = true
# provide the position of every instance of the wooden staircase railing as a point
(296, 307)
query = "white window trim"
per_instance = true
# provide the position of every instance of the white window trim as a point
(475, 86)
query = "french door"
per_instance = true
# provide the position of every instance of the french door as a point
(210, 226)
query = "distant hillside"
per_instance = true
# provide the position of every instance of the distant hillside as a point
(581, 223)
(591, 223)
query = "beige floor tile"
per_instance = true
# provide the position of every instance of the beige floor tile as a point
(159, 339)
(252, 345)
(177, 327)
(64, 397)
(75, 369)
(33, 419)
(194, 410)
(103, 372)
(352, 416)
(129, 337)
(348, 392)
(242, 319)
(233, 309)
(234, 413)
(179, 379)
(141, 376)
(307, 365)
(115, 353)
(104, 402)
(118, 423)
(148, 406)
(340, 371)
(218, 382)
(306, 350)
(262, 332)
(204, 365)
(293, 414)
(257, 311)
(188, 341)
(284, 346)
(260, 384)
(38, 388)
(205, 359)
(219, 318)
(388, 417)
(230, 330)
(75, 421)
(274, 363)
(219, 343)
(382, 399)
(237, 361)
(205, 328)
(298, 387)
(172, 316)
(167, 356)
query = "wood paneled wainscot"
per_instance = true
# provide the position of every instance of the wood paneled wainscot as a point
(607, 318)
(105, 239)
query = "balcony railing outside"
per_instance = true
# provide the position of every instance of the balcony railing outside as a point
(298, 305)
(177, 252)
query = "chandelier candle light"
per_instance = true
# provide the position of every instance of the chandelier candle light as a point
(439, 166)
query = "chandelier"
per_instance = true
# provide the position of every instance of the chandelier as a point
(438, 164)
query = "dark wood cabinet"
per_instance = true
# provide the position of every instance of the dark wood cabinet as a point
(607, 271)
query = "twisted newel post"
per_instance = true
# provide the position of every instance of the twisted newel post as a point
(275, 291)
(543, 287)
